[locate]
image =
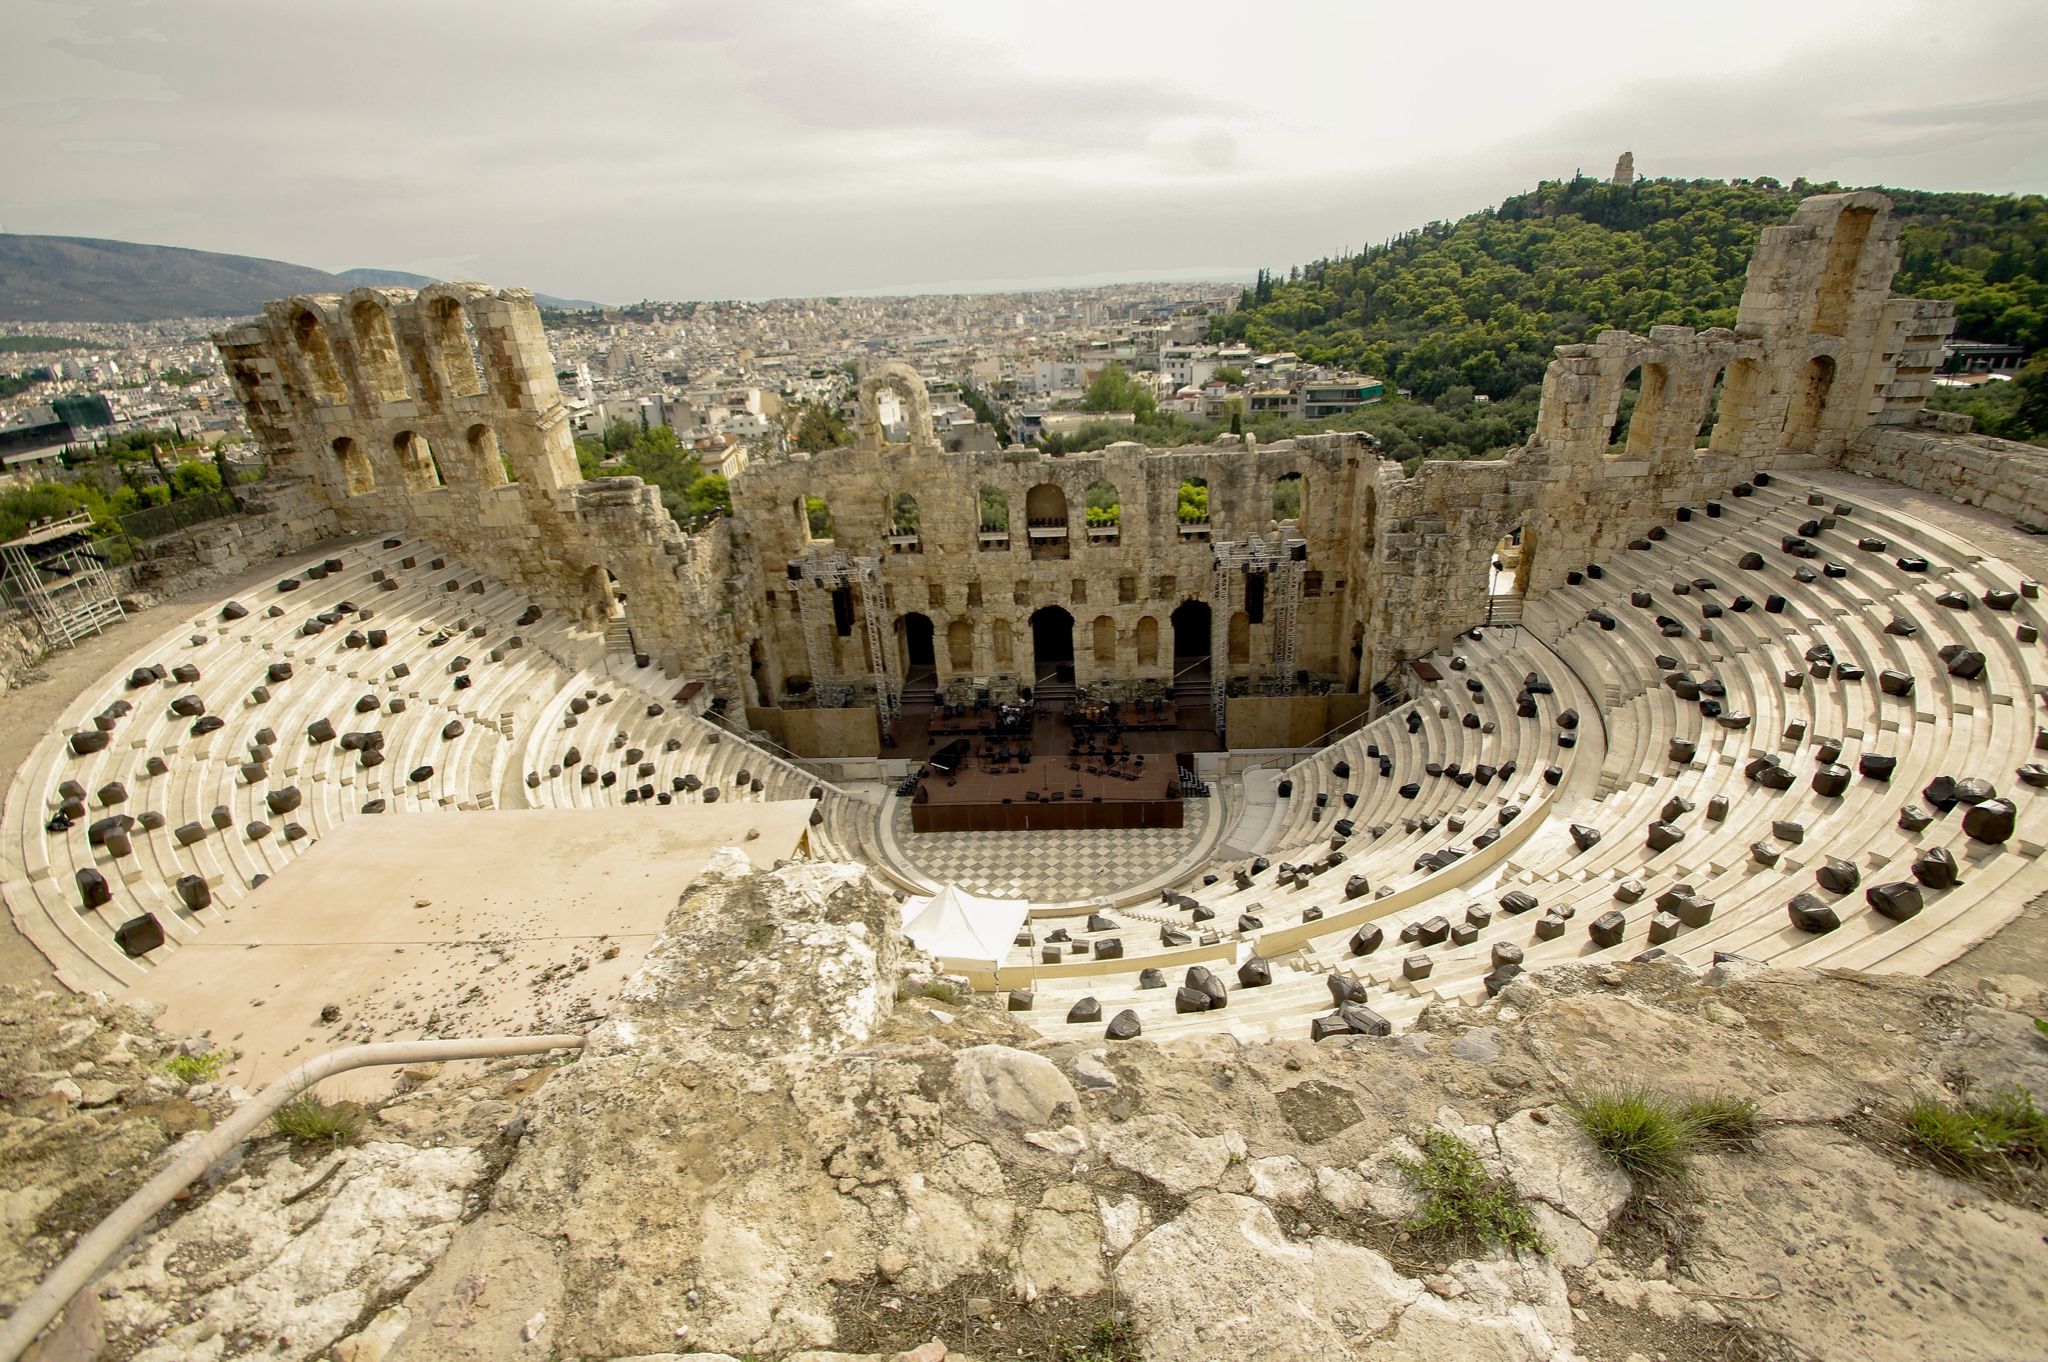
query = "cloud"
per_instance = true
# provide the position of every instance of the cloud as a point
(894, 66)
(685, 148)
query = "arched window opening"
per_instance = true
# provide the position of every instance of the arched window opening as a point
(325, 375)
(960, 645)
(1191, 635)
(1192, 508)
(1838, 277)
(1507, 571)
(1045, 516)
(1733, 410)
(1809, 404)
(489, 464)
(1052, 646)
(1240, 637)
(417, 462)
(1624, 412)
(356, 474)
(815, 517)
(1105, 641)
(904, 520)
(1290, 497)
(920, 659)
(1105, 512)
(455, 346)
(1148, 642)
(1634, 432)
(377, 354)
(603, 601)
(995, 518)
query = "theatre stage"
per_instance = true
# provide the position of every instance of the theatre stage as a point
(978, 801)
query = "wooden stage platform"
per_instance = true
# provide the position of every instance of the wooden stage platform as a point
(978, 801)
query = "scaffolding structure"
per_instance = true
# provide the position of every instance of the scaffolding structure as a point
(56, 576)
(837, 571)
(1281, 561)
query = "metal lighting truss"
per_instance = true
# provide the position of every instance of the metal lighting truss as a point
(1282, 561)
(831, 571)
(56, 574)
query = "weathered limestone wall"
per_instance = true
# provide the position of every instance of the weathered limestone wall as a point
(384, 409)
(437, 414)
(1999, 475)
(826, 733)
(1119, 590)
(1820, 351)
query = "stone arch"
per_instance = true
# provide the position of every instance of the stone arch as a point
(1105, 641)
(904, 516)
(600, 595)
(1045, 508)
(960, 645)
(1838, 277)
(358, 478)
(487, 460)
(1732, 410)
(919, 635)
(416, 462)
(309, 335)
(1052, 646)
(1240, 637)
(1809, 404)
(457, 353)
(383, 377)
(1191, 631)
(814, 517)
(1290, 497)
(994, 513)
(908, 385)
(1105, 507)
(1638, 408)
(1148, 641)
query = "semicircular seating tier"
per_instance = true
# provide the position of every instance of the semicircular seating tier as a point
(1807, 736)
(383, 679)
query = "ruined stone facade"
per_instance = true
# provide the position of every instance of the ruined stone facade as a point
(437, 414)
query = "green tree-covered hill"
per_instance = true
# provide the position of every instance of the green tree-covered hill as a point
(1480, 302)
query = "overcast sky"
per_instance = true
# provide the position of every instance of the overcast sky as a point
(620, 149)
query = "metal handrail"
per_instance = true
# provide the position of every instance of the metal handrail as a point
(767, 746)
(106, 1239)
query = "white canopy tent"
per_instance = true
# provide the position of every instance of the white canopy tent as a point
(967, 933)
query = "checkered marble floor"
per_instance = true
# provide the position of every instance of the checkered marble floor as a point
(1050, 866)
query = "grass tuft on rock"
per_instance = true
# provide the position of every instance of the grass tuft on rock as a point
(1461, 1200)
(2005, 1128)
(1722, 1121)
(1646, 1134)
(308, 1120)
(1113, 1340)
(196, 1068)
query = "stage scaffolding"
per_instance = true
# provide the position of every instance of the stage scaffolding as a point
(835, 571)
(1281, 562)
(56, 575)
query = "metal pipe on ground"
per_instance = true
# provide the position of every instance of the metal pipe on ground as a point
(92, 1252)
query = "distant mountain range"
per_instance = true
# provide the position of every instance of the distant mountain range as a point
(84, 279)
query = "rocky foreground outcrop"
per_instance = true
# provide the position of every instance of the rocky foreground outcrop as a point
(789, 1138)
